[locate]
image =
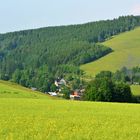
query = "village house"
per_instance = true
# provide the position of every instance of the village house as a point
(75, 95)
(59, 82)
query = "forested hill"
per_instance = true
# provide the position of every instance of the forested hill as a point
(34, 57)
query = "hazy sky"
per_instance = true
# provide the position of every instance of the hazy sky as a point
(26, 14)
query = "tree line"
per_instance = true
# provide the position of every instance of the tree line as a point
(114, 87)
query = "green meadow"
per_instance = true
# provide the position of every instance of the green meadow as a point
(126, 52)
(28, 116)
(135, 89)
(12, 90)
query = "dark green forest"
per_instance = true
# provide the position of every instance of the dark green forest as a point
(34, 58)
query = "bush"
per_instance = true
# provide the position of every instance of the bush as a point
(122, 93)
(66, 91)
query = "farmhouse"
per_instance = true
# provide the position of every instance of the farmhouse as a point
(59, 82)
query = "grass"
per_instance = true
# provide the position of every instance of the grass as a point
(37, 119)
(29, 117)
(126, 52)
(135, 89)
(12, 90)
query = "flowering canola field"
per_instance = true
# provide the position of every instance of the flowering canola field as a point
(28, 115)
(38, 119)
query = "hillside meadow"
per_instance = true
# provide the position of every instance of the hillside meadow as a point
(24, 117)
(126, 52)
(12, 90)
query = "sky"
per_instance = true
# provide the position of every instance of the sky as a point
(18, 15)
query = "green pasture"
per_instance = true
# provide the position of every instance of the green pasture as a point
(126, 52)
(135, 89)
(12, 90)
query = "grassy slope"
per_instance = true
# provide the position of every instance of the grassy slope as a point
(25, 115)
(37, 119)
(126, 48)
(11, 90)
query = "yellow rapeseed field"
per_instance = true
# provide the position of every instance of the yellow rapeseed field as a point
(38, 119)
(48, 119)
